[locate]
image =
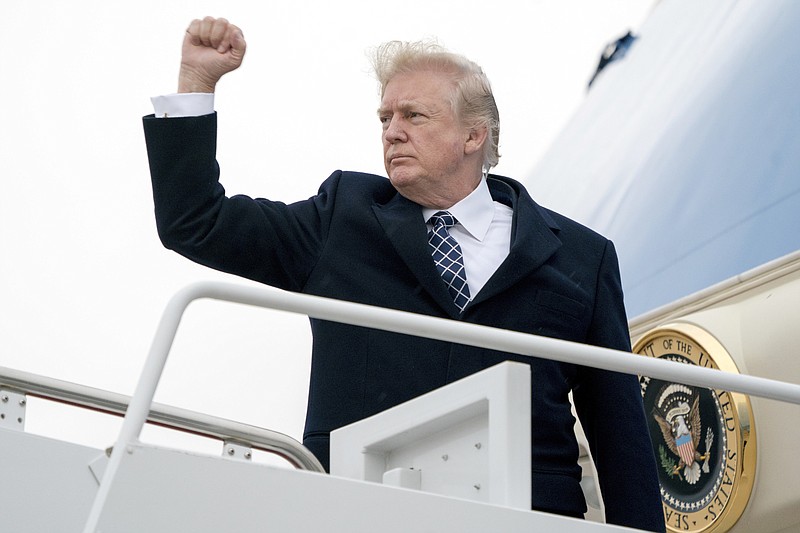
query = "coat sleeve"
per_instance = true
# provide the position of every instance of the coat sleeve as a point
(266, 241)
(609, 405)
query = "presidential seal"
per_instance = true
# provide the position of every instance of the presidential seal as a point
(704, 439)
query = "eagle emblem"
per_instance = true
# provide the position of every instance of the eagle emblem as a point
(678, 415)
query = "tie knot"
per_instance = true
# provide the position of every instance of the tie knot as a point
(443, 218)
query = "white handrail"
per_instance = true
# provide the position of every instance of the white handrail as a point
(412, 324)
(167, 416)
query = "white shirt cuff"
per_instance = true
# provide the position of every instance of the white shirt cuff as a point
(183, 105)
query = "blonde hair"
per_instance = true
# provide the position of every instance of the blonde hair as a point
(472, 99)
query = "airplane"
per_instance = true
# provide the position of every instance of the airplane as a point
(682, 153)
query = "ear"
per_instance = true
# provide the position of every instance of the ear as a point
(476, 138)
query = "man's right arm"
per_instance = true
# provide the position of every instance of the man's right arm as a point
(268, 242)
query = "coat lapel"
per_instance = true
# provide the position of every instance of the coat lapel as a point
(402, 222)
(533, 238)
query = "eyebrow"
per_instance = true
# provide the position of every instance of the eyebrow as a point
(402, 106)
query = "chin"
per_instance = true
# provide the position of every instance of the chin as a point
(401, 179)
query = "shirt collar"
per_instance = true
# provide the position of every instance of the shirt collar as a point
(474, 213)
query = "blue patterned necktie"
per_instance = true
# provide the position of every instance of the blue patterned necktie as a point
(448, 257)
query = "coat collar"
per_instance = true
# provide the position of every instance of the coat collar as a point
(533, 237)
(533, 241)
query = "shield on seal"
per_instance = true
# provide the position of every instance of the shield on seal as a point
(685, 448)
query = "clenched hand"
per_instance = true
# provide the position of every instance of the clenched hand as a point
(211, 48)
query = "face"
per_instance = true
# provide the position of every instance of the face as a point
(430, 157)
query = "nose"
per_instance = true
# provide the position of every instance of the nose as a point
(393, 130)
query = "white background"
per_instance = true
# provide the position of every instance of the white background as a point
(83, 277)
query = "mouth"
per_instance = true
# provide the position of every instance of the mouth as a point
(398, 159)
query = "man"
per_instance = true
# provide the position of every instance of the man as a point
(504, 261)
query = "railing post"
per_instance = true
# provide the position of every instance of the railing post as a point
(142, 399)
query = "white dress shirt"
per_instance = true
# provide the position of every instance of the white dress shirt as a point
(483, 229)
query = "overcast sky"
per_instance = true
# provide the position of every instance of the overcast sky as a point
(83, 277)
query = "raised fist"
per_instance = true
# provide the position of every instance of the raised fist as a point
(211, 48)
